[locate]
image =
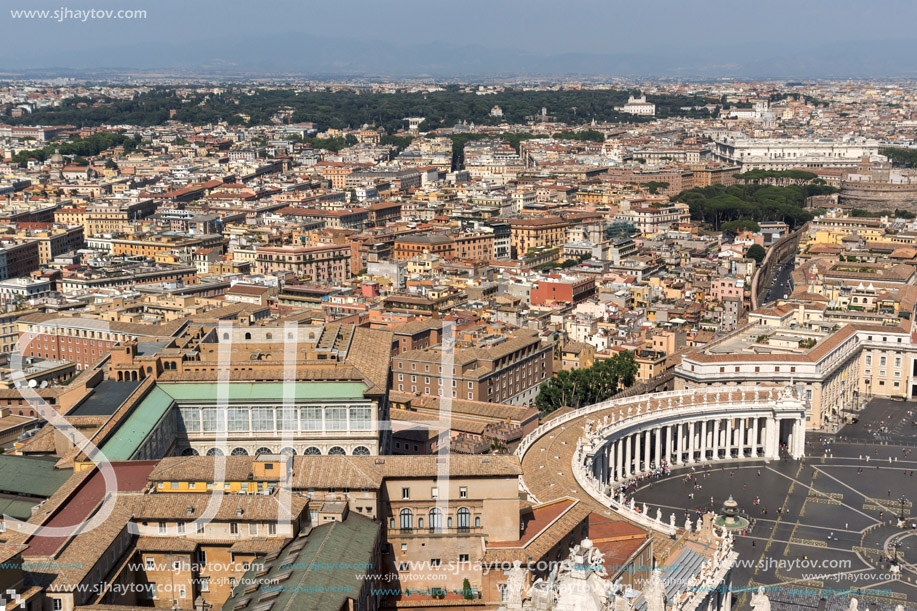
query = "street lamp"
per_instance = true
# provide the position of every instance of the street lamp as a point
(895, 546)
(902, 501)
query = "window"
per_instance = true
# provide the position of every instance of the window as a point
(407, 519)
(234, 528)
(162, 528)
(202, 557)
(897, 361)
(436, 519)
(149, 563)
(311, 418)
(882, 360)
(869, 359)
(463, 558)
(463, 518)
(253, 529)
(436, 562)
(271, 528)
(463, 492)
(287, 419)
(57, 604)
(360, 418)
(405, 493)
(434, 493)
(181, 528)
(205, 584)
(238, 419)
(336, 418)
(262, 418)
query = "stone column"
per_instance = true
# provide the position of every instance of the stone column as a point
(658, 457)
(800, 437)
(628, 444)
(740, 438)
(646, 449)
(638, 438)
(771, 438)
(728, 438)
(692, 441)
(668, 443)
(754, 437)
(716, 438)
(679, 443)
(619, 448)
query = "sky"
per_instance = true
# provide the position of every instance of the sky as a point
(682, 33)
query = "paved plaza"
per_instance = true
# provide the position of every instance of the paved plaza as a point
(825, 527)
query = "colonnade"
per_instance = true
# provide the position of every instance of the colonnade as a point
(699, 440)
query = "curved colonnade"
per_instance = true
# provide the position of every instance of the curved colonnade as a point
(612, 441)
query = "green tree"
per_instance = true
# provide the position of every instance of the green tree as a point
(582, 387)
(737, 226)
(756, 252)
(467, 592)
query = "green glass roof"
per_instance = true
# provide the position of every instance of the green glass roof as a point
(132, 433)
(264, 391)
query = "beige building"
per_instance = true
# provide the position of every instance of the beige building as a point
(838, 368)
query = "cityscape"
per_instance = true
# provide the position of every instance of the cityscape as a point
(533, 327)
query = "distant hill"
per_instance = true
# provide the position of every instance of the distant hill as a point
(316, 55)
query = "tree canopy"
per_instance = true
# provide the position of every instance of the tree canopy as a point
(738, 226)
(900, 157)
(581, 387)
(82, 147)
(342, 109)
(717, 204)
(756, 252)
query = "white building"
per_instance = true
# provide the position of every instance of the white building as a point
(638, 106)
(785, 153)
(23, 288)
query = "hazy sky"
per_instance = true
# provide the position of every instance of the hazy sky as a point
(535, 26)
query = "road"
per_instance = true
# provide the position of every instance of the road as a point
(780, 284)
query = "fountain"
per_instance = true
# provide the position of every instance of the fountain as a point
(729, 517)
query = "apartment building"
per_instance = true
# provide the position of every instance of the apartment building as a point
(542, 232)
(322, 264)
(499, 369)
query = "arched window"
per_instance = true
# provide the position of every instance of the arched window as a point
(239, 452)
(215, 452)
(288, 451)
(477, 522)
(312, 451)
(407, 519)
(337, 450)
(261, 451)
(436, 519)
(248, 335)
(268, 336)
(189, 452)
(361, 451)
(464, 519)
(226, 336)
(149, 370)
(419, 523)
